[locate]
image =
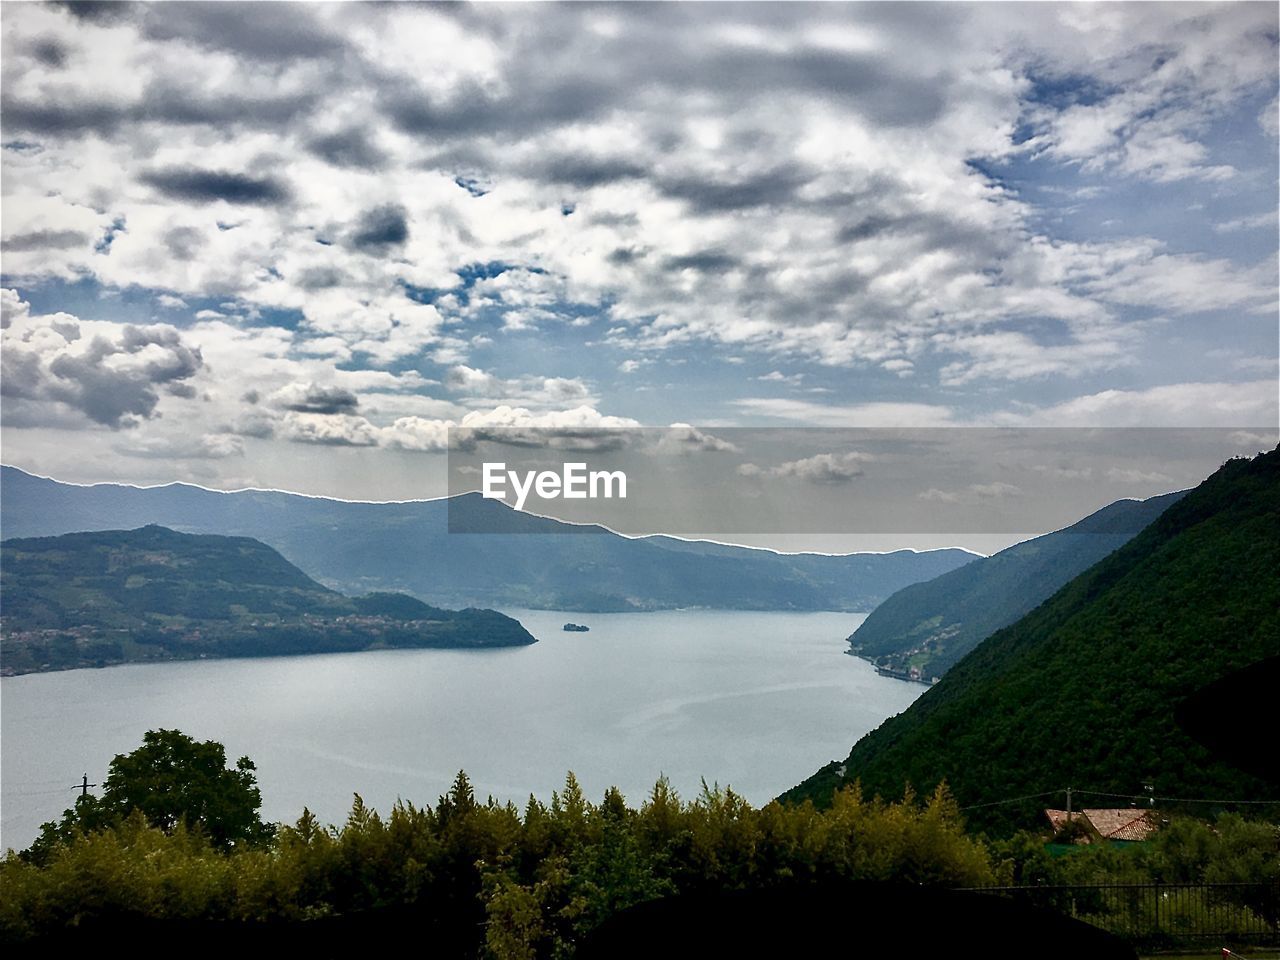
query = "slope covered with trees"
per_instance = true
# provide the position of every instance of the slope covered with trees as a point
(1082, 691)
(932, 625)
(90, 599)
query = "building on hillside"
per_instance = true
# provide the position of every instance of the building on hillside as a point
(1118, 824)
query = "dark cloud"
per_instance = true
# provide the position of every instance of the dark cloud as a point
(707, 261)
(49, 52)
(176, 361)
(534, 104)
(160, 104)
(46, 240)
(260, 31)
(925, 230)
(97, 11)
(621, 256)
(584, 172)
(20, 373)
(349, 148)
(872, 85)
(868, 228)
(255, 424)
(320, 278)
(189, 105)
(62, 118)
(184, 243)
(314, 398)
(381, 228)
(115, 383)
(718, 196)
(205, 186)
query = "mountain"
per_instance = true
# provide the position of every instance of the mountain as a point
(930, 626)
(1082, 692)
(91, 599)
(532, 562)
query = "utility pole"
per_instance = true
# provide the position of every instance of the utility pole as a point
(1068, 804)
(83, 786)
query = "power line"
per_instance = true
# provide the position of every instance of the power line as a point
(997, 803)
(1132, 796)
(1124, 796)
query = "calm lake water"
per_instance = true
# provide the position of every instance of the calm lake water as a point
(754, 700)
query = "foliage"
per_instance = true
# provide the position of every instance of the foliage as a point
(932, 625)
(515, 885)
(1231, 849)
(1241, 854)
(1081, 692)
(172, 782)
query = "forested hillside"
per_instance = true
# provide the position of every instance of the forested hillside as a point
(1082, 691)
(92, 599)
(931, 626)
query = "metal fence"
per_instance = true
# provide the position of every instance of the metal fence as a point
(1166, 914)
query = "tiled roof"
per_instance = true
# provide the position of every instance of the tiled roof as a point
(1057, 819)
(1123, 823)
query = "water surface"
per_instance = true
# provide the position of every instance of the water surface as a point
(754, 700)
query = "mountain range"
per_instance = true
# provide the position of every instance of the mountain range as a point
(93, 599)
(1082, 692)
(928, 627)
(531, 562)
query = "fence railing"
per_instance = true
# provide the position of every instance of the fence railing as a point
(1156, 914)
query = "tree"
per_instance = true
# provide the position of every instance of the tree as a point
(172, 780)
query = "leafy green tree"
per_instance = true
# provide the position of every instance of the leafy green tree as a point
(172, 780)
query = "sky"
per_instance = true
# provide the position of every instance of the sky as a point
(291, 246)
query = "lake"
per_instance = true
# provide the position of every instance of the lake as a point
(753, 700)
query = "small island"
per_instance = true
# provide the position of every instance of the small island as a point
(576, 628)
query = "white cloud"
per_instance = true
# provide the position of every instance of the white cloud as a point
(851, 415)
(706, 183)
(682, 438)
(777, 376)
(476, 386)
(821, 468)
(328, 430)
(973, 493)
(1252, 403)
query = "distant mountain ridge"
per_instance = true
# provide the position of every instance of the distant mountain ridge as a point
(929, 627)
(359, 547)
(97, 598)
(1084, 690)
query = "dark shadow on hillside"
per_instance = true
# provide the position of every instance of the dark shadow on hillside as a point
(1227, 715)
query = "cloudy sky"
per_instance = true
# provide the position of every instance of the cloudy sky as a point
(290, 245)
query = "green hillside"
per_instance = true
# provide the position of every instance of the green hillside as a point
(1081, 692)
(931, 626)
(92, 599)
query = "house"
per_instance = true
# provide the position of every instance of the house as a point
(1119, 824)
